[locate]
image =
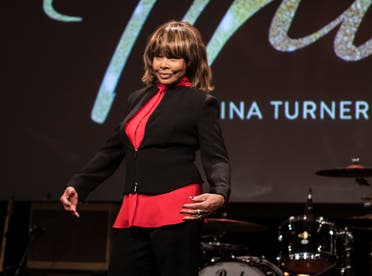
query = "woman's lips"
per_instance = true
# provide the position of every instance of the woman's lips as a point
(165, 76)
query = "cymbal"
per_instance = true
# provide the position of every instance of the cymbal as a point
(218, 246)
(363, 217)
(347, 172)
(230, 225)
(367, 197)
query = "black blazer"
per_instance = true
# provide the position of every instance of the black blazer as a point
(185, 121)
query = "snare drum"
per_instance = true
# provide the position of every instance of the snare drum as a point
(241, 266)
(308, 245)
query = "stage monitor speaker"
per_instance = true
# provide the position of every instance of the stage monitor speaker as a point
(60, 241)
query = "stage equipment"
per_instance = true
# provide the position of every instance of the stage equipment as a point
(363, 217)
(367, 198)
(5, 232)
(361, 227)
(351, 234)
(243, 265)
(211, 246)
(310, 244)
(231, 259)
(346, 172)
(223, 225)
(60, 241)
(355, 170)
(213, 251)
(313, 245)
(224, 246)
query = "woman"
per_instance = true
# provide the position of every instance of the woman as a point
(167, 122)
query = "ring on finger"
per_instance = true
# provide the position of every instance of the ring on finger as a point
(198, 212)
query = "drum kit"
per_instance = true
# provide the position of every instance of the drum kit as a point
(308, 245)
(225, 259)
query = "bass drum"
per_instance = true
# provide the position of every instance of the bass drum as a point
(241, 266)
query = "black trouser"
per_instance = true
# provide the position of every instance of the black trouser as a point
(172, 250)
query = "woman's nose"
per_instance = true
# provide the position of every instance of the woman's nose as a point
(164, 62)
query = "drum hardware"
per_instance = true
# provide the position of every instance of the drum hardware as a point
(355, 170)
(367, 203)
(222, 246)
(367, 198)
(360, 173)
(288, 274)
(227, 259)
(362, 217)
(224, 225)
(214, 251)
(308, 245)
(361, 247)
(345, 259)
(211, 246)
(312, 245)
(241, 266)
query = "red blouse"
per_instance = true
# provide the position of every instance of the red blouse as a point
(152, 210)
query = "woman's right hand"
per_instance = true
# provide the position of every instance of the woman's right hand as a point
(69, 200)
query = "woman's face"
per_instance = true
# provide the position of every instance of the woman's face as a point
(168, 70)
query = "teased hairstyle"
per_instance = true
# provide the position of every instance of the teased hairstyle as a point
(179, 39)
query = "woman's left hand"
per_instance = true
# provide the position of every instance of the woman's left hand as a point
(204, 205)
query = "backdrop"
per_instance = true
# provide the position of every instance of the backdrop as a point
(293, 78)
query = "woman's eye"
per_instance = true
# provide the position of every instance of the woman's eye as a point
(175, 58)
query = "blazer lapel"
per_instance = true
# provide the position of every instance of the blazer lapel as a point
(141, 100)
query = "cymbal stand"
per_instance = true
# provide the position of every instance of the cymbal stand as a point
(370, 256)
(348, 239)
(215, 239)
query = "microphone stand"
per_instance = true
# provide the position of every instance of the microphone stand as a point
(309, 205)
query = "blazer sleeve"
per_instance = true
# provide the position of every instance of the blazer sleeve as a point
(100, 167)
(213, 152)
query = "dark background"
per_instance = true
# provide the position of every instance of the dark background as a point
(53, 71)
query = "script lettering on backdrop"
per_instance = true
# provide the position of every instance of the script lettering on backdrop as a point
(236, 15)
